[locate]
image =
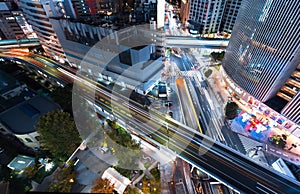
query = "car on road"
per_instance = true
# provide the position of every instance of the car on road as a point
(170, 114)
(169, 104)
(1, 150)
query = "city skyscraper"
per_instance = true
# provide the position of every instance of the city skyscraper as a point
(264, 52)
(9, 27)
(205, 15)
(38, 17)
(230, 14)
(290, 92)
(84, 7)
(210, 16)
(184, 11)
(77, 33)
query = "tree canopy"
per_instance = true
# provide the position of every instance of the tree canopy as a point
(130, 190)
(208, 72)
(63, 97)
(218, 56)
(58, 133)
(17, 184)
(102, 186)
(63, 180)
(231, 110)
(127, 150)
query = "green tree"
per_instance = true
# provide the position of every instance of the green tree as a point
(155, 187)
(127, 157)
(156, 173)
(102, 186)
(4, 173)
(18, 184)
(63, 97)
(58, 133)
(130, 190)
(145, 187)
(30, 171)
(231, 110)
(208, 72)
(217, 56)
(127, 150)
(63, 180)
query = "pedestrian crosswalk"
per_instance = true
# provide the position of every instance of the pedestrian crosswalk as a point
(184, 73)
(249, 143)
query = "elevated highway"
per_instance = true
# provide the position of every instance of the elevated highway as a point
(191, 42)
(171, 41)
(22, 43)
(221, 162)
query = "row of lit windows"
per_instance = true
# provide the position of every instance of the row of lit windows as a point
(292, 110)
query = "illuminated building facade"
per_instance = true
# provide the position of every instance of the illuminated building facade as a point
(210, 16)
(184, 11)
(206, 15)
(9, 27)
(26, 28)
(38, 14)
(263, 55)
(84, 7)
(230, 14)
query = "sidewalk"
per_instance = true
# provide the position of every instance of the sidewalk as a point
(166, 176)
(261, 134)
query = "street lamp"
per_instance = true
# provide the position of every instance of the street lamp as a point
(108, 16)
(109, 13)
(293, 146)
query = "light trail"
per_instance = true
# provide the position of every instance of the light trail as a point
(218, 160)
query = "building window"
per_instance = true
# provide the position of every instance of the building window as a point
(125, 57)
(28, 139)
(38, 138)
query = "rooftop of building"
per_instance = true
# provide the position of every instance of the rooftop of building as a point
(20, 162)
(282, 167)
(6, 104)
(21, 118)
(3, 6)
(7, 82)
(120, 182)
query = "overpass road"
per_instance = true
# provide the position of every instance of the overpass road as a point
(191, 42)
(221, 162)
(216, 159)
(22, 43)
(170, 41)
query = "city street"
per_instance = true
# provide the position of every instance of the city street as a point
(171, 97)
(187, 106)
(194, 100)
(207, 105)
(230, 131)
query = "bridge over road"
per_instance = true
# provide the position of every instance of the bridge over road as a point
(192, 42)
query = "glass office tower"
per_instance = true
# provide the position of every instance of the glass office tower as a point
(230, 14)
(38, 14)
(264, 51)
(206, 15)
(264, 47)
